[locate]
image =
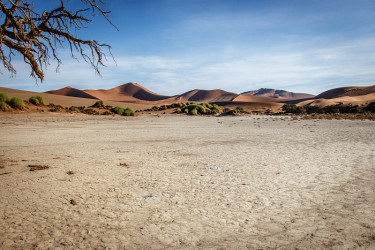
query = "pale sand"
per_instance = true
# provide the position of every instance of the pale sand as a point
(191, 182)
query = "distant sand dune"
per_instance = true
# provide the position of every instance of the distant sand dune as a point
(343, 100)
(253, 98)
(346, 91)
(69, 91)
(198, 95)
(129, 92)
(135, 94)
(277, 93)
(67, 101)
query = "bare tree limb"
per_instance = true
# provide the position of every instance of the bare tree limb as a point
(37, 36)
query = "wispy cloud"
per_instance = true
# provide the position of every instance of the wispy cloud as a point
(312, 70)
(307, 47)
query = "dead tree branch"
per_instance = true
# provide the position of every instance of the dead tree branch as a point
(38, 36)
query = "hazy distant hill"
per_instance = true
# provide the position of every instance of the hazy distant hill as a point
(277, 93)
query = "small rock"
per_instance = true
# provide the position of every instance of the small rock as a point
(214, 168)
(37, 167)
(73, 202)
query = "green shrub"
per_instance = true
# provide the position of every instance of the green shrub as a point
(236, 111)
(215, 108)
(294, 109)
(163, 107)
(128, 112)
(4, 97)
(201, 109)
(370, 107)
(336, 111)
(206, 105)
(98, 104)
(55, 108)
(40, 99)
(37, 100)
(74, 109)
(355, 109)
(16, 103)
(193, 112)
(34, 100)
(118, 110)
(4, 106)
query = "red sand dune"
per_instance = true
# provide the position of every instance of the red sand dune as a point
(360, 100)
(198, 95)
(344, 96)
(67, 101)
(135, 93)
(129, 92)
(69, 91)
(277, 93)
(253, 98)
(346, 91)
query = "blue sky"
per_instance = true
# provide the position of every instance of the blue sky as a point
(173, 46)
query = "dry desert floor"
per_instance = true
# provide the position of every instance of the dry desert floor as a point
(181, 182)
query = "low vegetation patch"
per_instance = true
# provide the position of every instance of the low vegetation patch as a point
(170, 106)
(338, 111)
(74, 109)
(90, 111)
(118, 110)
(293, 109)
(37, 100)
(4, 97)
(370, 107)
(99, 104)
(128, 112)
(4, 106)
(236, 111)
(55, 108)
(198, 109)
(17, 103)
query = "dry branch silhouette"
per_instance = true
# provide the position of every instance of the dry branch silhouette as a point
(37, 36)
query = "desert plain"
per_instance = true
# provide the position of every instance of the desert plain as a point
(183, 182)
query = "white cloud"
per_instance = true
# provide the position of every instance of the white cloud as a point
(235, 69)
